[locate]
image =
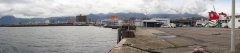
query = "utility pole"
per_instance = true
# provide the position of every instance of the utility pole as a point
(233, 28)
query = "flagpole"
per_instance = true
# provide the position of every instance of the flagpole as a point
(233, 28)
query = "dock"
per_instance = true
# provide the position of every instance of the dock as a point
(176, 40)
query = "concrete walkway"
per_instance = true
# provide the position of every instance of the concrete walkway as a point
(153, 40)
(145, 42)
(213, 40)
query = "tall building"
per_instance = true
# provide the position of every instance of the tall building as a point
(81, 18)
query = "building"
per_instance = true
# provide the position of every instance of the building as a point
(81, 20)
(184, 22)
(138, 23)
(109, 22)
(156, 22)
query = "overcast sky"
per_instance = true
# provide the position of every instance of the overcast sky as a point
(49, 8)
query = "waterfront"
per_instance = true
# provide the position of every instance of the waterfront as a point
(57, 39)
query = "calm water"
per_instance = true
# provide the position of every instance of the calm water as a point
(60, 39)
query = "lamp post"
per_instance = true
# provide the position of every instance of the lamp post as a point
(233, 28)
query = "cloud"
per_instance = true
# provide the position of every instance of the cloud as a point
(15, 1)
(48, 8)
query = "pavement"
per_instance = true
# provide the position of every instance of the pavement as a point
(176, 40)
(213, 40)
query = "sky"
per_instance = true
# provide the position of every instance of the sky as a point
(51, 8)
(225, 6)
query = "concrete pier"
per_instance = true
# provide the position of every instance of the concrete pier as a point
(176, 40)
(144, 42)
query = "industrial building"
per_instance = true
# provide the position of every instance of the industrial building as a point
(184, 22)
(155, 22)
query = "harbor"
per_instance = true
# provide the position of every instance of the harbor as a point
(158, 34)
(119, 26)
